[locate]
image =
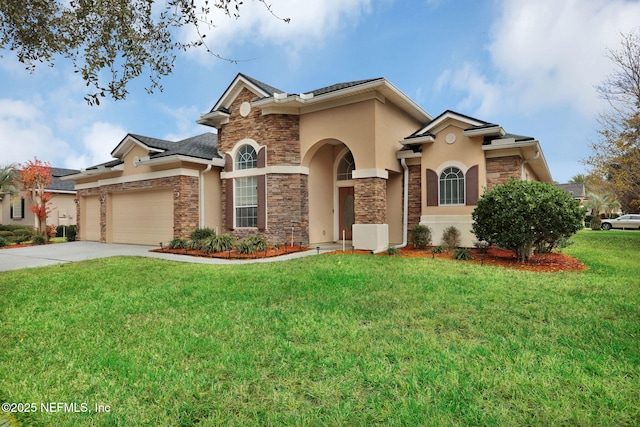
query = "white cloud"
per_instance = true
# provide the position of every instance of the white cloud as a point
(544, 53)
(186, 125)
(311, 22)
(97, 142)
(23, 134)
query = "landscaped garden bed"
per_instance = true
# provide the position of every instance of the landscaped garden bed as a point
(493, 256)
(269, 252)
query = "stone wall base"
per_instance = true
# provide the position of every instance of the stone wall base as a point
(370, 237)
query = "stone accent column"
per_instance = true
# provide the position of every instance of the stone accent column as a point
(415, 195)
(500, 169)
(370, 230)
(186, 212)
(370, 200)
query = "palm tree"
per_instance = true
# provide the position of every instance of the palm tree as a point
(8, 175)
(611, 204)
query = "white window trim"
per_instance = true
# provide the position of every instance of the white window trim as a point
(464, 170)
(235, 206)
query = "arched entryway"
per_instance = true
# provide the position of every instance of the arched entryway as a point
(331, 191)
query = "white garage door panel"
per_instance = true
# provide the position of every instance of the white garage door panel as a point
(144, 217)
(90, 221)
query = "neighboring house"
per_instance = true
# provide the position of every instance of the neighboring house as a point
(577, 190)
(62, 207)
(358, 160)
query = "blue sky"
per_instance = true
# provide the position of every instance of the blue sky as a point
(528, 65)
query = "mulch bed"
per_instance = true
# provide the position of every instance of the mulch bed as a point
(498, 257)
(269, 253)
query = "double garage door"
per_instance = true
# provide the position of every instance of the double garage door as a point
(136, 217)
(141, 217)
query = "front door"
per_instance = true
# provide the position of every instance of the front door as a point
(346, 211)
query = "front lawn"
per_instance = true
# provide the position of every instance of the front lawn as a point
(326, 340)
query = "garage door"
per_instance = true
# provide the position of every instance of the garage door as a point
(142, 217)
(90, 221)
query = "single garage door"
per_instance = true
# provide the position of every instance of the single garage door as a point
(142, 217)
(90, 220)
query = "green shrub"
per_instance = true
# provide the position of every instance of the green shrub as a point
(438, 249)
(23, 234)
(177, 243)
(194, 245)
(392, 250)
(251, 245)
(421, 236)
(451, 238)
(202, 233)
(219, 243)
(71, 233)
(6, 234)
(3, 241)
(462, 254)
(596, 222)
(39, 239)
(68, 231)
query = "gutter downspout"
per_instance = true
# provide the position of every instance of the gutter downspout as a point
(535, 157)
(208, 168)
(405, 209)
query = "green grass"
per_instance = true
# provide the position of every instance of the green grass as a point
(328, 340)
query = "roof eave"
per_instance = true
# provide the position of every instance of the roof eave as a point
(180, 158)
(426, 139)
(214, 119)
(488, 131)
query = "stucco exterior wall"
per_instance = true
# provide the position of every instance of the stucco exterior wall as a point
(63, 210)
(339, 124)
(394, 207)
(463, 153)
(212, 199)
(321, 195)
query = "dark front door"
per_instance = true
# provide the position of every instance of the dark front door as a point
(346, 211)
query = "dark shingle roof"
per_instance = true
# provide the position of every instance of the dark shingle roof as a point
(57, 184)
(160, 144)
(574, 190)
(263, 86)
(339, 86)
(203, 146)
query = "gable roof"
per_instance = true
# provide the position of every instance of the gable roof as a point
(197, 149)
(203, 146)
(473, 123)
(273, 100)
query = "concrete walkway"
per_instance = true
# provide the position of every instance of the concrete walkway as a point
(42, 255)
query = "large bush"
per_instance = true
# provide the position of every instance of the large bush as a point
(522, 215)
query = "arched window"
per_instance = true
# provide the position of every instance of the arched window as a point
(246, 188)
(451, 187)
(345, 167)
(246, 158)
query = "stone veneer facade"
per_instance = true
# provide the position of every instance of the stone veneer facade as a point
(370, 197)
(287, 195)
(185, 202)
(501, 169)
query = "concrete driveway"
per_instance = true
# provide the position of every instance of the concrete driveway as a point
(42, 255)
